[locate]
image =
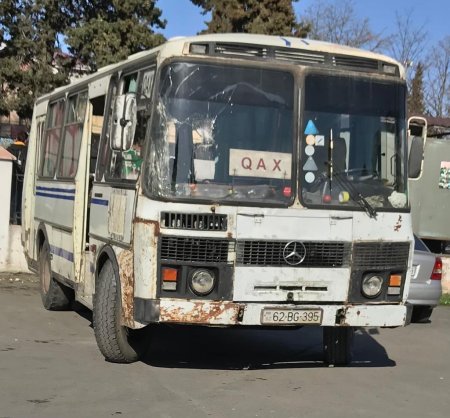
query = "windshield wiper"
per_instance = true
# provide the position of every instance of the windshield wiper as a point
(355, 195)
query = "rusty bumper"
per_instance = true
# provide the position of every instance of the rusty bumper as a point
(228, 313)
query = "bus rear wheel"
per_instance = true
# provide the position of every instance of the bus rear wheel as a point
(55, 296)
(337, 345)
(117, 343)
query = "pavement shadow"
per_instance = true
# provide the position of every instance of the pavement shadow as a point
(249, 348)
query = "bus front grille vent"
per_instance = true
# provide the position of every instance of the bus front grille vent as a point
(381, 255)
(240, 50)
(273, 253)
(198, 250)
(299, 57)
(194, 221)
(357, 63)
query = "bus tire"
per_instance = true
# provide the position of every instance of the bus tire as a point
(55, 296)
(337, 345)
(117, 343)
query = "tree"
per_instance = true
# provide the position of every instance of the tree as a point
(337, 23)
(29, 65)
(107, 31)
(408, 43)
(438, 79)
(269, 17)
(416, 105)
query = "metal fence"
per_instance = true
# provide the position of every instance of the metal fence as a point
(15, 217)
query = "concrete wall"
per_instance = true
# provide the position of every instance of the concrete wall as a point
(12, 258)
(11, 253)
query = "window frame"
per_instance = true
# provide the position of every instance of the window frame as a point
(43, 144)
(63, 136)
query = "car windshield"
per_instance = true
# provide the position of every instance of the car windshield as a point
(352, 148)
(222, 133)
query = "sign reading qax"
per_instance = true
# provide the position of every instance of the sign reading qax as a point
(250, 163)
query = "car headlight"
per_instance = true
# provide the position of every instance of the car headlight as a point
(202, 282)
(371, 286)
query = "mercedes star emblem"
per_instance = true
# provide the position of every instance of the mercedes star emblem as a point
(294, 253)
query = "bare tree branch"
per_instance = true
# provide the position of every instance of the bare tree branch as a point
(337, 22)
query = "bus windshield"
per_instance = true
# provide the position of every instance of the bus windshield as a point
(352, 152)
(222, 133)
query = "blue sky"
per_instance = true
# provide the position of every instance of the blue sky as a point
(185, 19)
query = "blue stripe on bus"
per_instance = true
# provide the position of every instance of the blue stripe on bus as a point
(55, 189)
(55, 196)
(101, 202)
(60, 252)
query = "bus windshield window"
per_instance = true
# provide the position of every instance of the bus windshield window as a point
(223, 133)
(352, 152)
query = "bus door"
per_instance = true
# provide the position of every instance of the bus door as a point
(114, 190)
(94, 121)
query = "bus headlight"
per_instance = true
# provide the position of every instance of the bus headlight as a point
(202, 282)
(371, 286)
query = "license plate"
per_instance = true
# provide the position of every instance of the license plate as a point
(291, 316)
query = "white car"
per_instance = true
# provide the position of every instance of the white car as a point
(425, 290)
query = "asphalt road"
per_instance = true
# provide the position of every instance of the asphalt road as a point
(50, 367)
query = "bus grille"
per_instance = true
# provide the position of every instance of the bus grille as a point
(270, 253)
(200, 250)
(381, 255)
(194, 221)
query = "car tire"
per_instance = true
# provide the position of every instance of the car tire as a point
(55, 296)
(421, 314)
(338, 345)
(117, 343)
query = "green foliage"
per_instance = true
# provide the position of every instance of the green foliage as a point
(445, 299)
(269, 17)
(29, 65)
(107, 31)
(416, 103)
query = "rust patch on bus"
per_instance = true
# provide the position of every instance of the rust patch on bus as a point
(126, 272)
(155, 224)
(197, 312)
(398, 225)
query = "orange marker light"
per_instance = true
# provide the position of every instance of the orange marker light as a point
(395, 280)
(169, 274)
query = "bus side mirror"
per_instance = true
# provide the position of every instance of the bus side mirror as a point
(417, 136)
(123, 122)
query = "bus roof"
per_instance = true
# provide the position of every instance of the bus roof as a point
(176, 46)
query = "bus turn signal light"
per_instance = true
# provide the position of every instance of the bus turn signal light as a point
(395, 280)
(169, 278)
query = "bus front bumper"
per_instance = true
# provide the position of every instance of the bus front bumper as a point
(228, 313)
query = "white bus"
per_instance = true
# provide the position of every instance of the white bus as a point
(225, 180)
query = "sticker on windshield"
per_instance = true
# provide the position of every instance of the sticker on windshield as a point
(310, 140)
(311, 128)
(310, 165)
(309, 177)
(309, 150)
(251, 163)
(320, 140)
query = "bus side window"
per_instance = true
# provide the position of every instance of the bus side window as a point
(50, 144)
(98, 109)
(73, 133)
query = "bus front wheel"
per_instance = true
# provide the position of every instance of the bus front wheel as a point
(117, 343)
(55, 296)
(337, 345)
